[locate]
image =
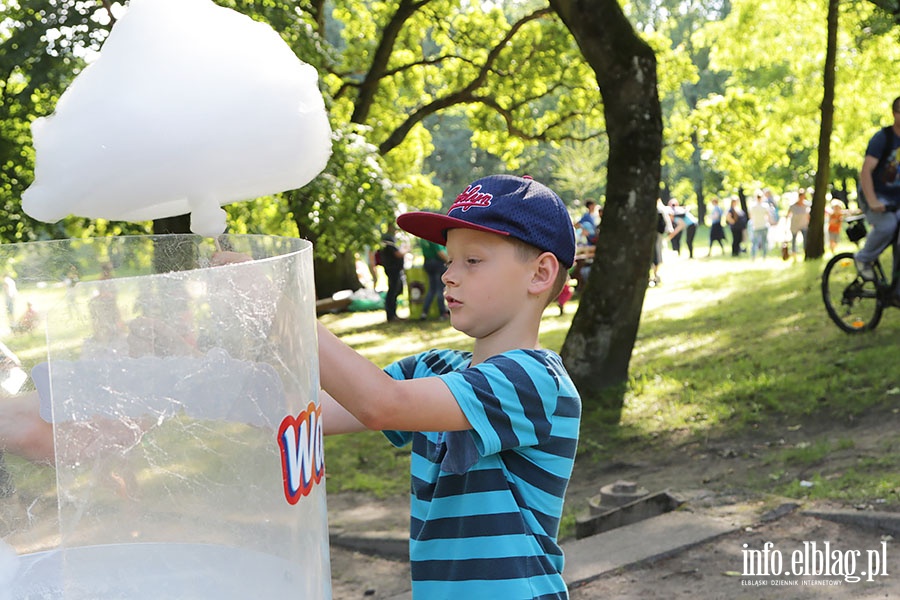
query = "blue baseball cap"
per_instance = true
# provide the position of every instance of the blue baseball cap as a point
(519, 207)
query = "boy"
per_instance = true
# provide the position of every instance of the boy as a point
(493, 431)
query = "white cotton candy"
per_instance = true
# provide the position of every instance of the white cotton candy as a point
(190, 106)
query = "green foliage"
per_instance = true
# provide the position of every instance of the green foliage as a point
(384, 69)
(804, 454)
(765, 127)
(455, 163)
(741, 93)
(580, 168)
(343, 208)
(268, 215)
(870, 479)
(366, 462)
(42, 48)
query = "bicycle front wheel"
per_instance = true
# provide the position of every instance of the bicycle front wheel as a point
(851, 302)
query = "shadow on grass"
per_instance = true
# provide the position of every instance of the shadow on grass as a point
(726, 348)
(718, 355)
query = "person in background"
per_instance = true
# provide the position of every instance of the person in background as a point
(564, 296)
(737, 222)
(588, 223)
(761, 218)
(70, 281)
(798, 213)
(716, 231)
(106, 316)
(835, 214)
(772, 203)
(664, 227)
(392, 258)
(435, 264)
(28, 321)
(685, 222)
(879, 179)
(674, 237)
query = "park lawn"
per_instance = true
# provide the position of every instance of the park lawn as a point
(725, 347)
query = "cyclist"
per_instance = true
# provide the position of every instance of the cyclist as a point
(880, 184)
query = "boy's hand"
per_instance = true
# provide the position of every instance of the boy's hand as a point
(228, 257)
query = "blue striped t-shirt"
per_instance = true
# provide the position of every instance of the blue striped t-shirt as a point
(486, 502)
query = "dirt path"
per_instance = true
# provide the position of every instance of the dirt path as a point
(709, 571)
(713, 571)
(713, 474)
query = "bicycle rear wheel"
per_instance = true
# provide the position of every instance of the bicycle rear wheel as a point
(853, 304)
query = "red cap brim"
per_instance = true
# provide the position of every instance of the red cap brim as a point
(433, 226)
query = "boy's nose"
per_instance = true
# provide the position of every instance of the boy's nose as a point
(447, 277)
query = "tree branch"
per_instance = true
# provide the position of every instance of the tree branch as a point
(369, 86)
(465, 94)
(108, 6)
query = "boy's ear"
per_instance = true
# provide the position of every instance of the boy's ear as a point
(546, 268)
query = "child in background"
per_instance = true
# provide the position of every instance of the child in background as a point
(835, 218)
(564, 296)
(494, 430)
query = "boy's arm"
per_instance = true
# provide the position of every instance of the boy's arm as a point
(335, 418)
(379, 402)
(358, 395)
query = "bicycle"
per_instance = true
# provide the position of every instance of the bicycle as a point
(855, 304)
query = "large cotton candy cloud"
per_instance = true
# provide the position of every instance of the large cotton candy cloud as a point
(189, 106)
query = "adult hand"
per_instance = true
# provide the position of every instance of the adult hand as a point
(877, 206)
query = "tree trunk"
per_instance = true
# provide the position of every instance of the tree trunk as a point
(335, 275)
(598, 346)
(697, 176)
(178, 224)
(816, 246)
(332, 273)
(169, 254)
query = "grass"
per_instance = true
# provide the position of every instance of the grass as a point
(726, 347)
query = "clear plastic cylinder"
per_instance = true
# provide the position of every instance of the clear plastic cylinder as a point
(187, 429)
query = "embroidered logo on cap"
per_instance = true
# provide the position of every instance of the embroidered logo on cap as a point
(471, 197)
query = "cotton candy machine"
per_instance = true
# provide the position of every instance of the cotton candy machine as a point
(184, 406)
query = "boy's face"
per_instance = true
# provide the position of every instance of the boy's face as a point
(486, 281)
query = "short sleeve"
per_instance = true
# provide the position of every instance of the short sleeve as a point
(876, 145)
(402, 369)
(431, 363)
(509, 400)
